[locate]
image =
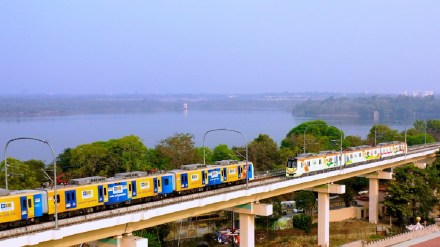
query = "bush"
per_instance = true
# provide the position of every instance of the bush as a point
(303, 222)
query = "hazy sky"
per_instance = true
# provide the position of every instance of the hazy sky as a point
(221, 46)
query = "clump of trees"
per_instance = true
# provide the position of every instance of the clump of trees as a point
(413, 192)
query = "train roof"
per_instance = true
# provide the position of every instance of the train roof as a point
(192, 166)
(4, 192)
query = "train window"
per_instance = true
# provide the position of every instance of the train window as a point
(24, 203)
(58, 198)
(320, 161)
(166, 182)
(158, 183)
(29, 203)
(129, 187)
(100, 191)
(68, 196)
(105, 191)
(73, 196)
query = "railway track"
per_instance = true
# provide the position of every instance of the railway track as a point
(261, 179)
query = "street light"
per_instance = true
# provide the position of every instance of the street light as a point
(246, 143)
(54, 171)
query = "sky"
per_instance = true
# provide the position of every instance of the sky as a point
(224, 46)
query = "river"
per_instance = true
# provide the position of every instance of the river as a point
(69, 131)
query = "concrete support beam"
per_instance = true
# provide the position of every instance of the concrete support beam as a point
(324, 210)
(379, 175)
(420, 164)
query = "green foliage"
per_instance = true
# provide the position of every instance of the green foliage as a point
(208, 155)
(20, 175)
(401, 107)
(313, 136)
(303, 222)
(264, 153)
(411, 194)
(305, 200)
(382, 133)
(354, 141)
(129, 153)
(177, 150)
(222, 152)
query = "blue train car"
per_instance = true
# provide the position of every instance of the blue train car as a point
(167, 183)
(118, 192)
(214, 175)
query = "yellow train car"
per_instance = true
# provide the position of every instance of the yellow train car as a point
(83, 193)
(143, 185)
(232, 171)
(193, 176)
(20, 205)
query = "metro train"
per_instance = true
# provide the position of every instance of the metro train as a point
(313, 162)
(91, 194)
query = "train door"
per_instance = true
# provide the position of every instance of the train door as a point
(184, 180)
(24, 210)
(203, 177)
(100, 193)
(70, 198)
(239, 171)
(133, 188)
(155, 185)
(225, 174)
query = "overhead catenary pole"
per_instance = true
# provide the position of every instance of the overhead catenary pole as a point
(246, 143)
(54, 170)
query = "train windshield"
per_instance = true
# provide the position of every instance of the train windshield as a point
(292, 163)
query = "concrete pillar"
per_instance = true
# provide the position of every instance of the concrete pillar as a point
(323, 219)
(247, 230)
(324, 210)
(247, 220)
(373, 192)
(373, 200)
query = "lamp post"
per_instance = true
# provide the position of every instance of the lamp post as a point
(54, 170)
(246, 143)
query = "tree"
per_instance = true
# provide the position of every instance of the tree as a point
(382, 133)
(264, 153)
(222, 152)
(208, 155)
(306, 201)
(129, 152)
(411, 194)
(317, 136)
(93, 160)
(177, 150)
(354, 141)
(20, 175)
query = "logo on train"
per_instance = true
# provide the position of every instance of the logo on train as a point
(145, 185)
(215, 174)
(231, 171)
(195, 177)
(86, 194)
(7, 206)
